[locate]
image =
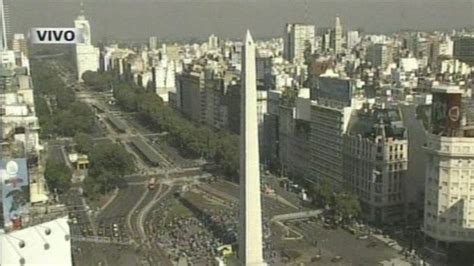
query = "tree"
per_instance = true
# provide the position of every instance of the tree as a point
(109, 163)
(111, 157)
(98, 81)
(58, 176)
(326, 192)
(84, 143)
(78, 117)
(347, 205)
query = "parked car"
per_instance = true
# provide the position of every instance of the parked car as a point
(363, 237)
(392, 243)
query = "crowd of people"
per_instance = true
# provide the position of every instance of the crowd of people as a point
(198, 234)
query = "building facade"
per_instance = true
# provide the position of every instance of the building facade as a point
(449, 183)
(87, 56)
(376, 162)
(464, 49)
(297, 38)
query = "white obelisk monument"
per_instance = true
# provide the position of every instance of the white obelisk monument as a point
(250, 235)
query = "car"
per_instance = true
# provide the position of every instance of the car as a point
(392, 243)
(316, 258)
(363, 237)
(336, 259)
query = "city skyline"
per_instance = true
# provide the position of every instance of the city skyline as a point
(153, 18)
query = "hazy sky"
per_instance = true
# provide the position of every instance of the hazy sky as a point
(180, 19)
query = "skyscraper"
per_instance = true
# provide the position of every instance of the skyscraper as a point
(250, 235)
(379, 55)
(297, 37)
(353, 38)
(336, 37)
(4, 26)
(213, 42)
(87, 56)
(153, 43)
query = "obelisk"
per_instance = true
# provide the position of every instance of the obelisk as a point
(250, 235)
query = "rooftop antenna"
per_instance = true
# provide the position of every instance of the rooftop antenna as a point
(81, 12)
(306, 11)
(4, 27)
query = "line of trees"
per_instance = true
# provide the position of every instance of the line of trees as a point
(220, 146)
(61, 115)
(193, 140)
(58, 111)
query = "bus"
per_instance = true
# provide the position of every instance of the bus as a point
(152, 183)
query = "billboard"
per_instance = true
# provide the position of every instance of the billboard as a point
(334, 89)
(15, 191)
(446, 113)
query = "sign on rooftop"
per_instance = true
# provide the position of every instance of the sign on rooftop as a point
(334, 89)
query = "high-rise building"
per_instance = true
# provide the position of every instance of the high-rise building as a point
(331, 110)
(190, 93)
(164, 78)
(5, 24)
(264, 71)
(464, 49)
(250, 234)
(294, 131)
(19, 44)
(297, 39)
(449, 183)
(213, 42)
(380, 55)
(353, 39)
(87, 56)
(153, 43)
(336, 37)
(325, 39)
